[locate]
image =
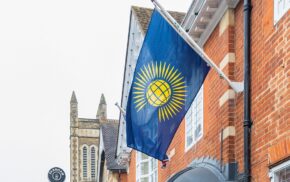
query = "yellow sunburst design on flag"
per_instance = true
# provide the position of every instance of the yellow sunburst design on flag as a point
(160, 85)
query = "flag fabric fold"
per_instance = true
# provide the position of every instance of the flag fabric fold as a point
(167, 77)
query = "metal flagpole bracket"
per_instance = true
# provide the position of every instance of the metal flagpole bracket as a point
(236, 86)
(121, 109)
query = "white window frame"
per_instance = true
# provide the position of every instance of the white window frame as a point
(280, 8)
(150, 161)
(273, 172)
(195, 106)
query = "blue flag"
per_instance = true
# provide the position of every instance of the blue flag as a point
(167, 77)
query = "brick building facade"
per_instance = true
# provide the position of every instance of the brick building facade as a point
(218, 28)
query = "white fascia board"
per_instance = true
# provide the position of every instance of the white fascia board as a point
(223, 7)
(135, 41)
(218, 13)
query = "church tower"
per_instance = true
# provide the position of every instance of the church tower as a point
(73, 138)
(84, 142)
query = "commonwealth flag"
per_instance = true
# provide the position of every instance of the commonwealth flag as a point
(167, 77)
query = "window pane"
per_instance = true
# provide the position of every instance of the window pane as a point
(143, 156)
(145, 179)
(284, 175)
(155, 164)
(189, 140)
(280, 8)
(189, 130)
(197, 132)
(93, 162)
(194, 120)
(144, 168)
(189, 126)
(85, 160)
(151, 164)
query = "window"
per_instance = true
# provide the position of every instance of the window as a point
(146, 168)
(281, 173)
(280, 8)
(194, 121)
(85, 162)
(93, 162)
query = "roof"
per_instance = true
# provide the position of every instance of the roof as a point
(110, 134)
(73, 98)
(144, 14)
(88, 120)
(103, 100)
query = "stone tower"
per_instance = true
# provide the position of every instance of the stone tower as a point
(102, 109)
(73, 138)
(84, 142)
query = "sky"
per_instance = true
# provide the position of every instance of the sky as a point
(47, 50)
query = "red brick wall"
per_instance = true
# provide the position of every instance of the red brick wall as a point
(270, 87)
(131, 175)
(270, 97)
(123, 177)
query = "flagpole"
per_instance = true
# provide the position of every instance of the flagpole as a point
(237, 86)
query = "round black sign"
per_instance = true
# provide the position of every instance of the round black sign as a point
(56, 174)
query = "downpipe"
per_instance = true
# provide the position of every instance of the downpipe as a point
(247, 91)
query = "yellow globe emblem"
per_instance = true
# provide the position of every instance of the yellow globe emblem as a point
(162, 86)
(158, 93)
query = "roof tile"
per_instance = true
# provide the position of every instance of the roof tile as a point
(110, 135)
(144, 14)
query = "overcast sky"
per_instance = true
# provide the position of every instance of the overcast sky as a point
(48, 48)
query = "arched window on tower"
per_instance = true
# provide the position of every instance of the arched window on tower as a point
(85, 162)
(93, 162)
